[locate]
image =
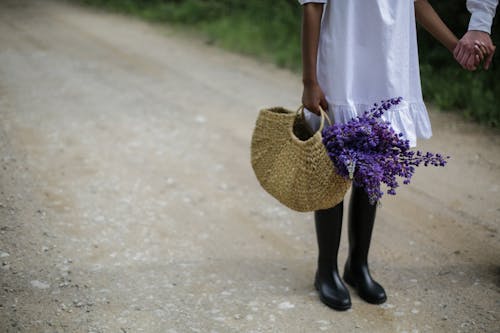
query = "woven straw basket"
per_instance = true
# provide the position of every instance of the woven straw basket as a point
(292, 164)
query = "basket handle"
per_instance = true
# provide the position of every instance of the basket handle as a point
(324, 116)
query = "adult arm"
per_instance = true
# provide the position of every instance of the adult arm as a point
(312, 96)
(478, 34)
(482, 14)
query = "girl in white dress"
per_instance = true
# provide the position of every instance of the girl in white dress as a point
(356, 53)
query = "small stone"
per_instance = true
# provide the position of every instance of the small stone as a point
(4, 254)
(286, 305)
(387, 306)
(77, 303)
(40, 284)
(200, 119)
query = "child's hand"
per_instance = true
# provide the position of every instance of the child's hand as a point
(313, 97)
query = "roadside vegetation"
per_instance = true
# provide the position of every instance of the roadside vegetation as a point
(271, 31)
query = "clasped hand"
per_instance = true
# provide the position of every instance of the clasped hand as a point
(474, 47)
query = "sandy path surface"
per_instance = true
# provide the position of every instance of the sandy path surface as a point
(128, 203)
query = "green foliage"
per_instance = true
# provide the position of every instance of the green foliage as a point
(271, 31)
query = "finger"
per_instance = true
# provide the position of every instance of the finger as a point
(462, 57)
(314, 109)
(477, 60)
(490, 47)
(485, 49)
(324, 104)
(488, 60)
(480, 43)
(467, 63)
(470, 62)
(470, 58)
(463, 61)
(308, 105)
(459, 51)
(480, 51)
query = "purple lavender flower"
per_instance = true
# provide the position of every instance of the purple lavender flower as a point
(368, 150)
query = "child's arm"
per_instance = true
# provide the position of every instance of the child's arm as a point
(430, 20)
(312, 96)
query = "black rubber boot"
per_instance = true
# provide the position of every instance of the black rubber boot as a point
(327, 282)
(356, 272)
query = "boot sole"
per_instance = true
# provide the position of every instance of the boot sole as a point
(330, 304)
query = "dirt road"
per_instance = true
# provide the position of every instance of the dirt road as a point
(128, 203)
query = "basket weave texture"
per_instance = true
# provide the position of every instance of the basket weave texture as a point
(292, 164)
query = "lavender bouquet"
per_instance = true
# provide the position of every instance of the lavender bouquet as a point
(367, 150)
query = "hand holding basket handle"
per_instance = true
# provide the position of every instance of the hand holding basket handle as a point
(313, 98)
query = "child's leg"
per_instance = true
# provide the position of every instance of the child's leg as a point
(331, 289)
(356, 272)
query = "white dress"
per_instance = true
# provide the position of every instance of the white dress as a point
(367, 53)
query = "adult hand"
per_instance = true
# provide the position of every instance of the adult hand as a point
(313, 97)
(473, 48)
